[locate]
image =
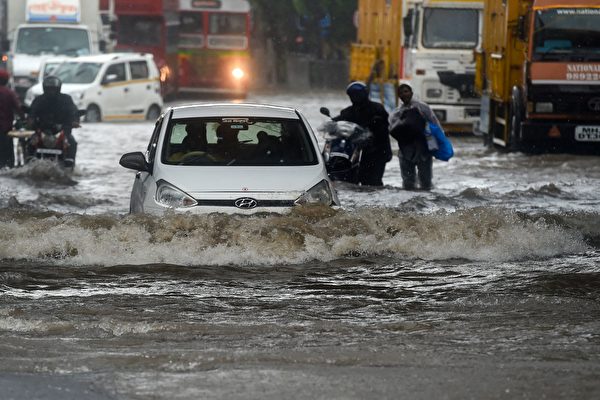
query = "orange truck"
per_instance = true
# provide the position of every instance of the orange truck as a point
(539, 75)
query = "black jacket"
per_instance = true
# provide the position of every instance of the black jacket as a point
(48, 111)
(371, 115)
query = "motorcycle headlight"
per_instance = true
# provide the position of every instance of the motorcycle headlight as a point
(319, 194)
(169, 196)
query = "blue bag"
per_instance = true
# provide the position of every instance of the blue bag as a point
(445, 151)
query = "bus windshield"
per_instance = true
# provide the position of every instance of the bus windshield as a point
(227, 24)
(567, 34)
(57, 41)
(440, 31)
(77, 72)
(140, 31)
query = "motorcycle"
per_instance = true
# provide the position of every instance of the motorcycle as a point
(44, 142)
(344, 144)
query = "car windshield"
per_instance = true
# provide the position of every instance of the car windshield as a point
(77, 72)
(238, 142)
(440, 31)
(567, 34)
(49, 40)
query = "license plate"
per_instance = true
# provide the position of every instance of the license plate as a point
(587, 133)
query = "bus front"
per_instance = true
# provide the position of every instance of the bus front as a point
(214, 46)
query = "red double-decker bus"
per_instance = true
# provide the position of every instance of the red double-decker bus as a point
(214, 43)
(150, 26)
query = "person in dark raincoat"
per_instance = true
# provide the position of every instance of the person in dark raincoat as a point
(407, 126)
(9, 105)
(370, 115)
(54, 108)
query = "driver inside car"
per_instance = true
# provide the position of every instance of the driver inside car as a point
(194, 142)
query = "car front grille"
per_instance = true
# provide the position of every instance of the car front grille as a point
(259, 203)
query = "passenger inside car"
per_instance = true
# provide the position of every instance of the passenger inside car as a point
(227, 148)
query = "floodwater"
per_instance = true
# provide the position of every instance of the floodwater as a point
(487, 287)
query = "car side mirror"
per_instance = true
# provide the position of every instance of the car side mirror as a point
(135, 161)
(109, 79)
(325, 111)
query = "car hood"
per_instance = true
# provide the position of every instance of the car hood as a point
(236, 180)
(67, 88)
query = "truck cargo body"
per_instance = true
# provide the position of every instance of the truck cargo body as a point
(539, 74)
(42, 28)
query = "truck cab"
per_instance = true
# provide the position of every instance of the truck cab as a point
(539, 75)
(439, 39)
(42, 28)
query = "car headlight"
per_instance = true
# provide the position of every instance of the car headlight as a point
(544, 107)
(318, 194)
(169, 196)
(76, 96)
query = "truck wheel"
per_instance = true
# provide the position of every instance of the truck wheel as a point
(93, 114)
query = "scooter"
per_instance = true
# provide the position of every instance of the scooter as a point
(344, 144)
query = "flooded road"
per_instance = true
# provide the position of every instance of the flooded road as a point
(486, 287)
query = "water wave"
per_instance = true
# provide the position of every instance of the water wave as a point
(307, 234)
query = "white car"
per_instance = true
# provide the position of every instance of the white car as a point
(229, 158)
(109, 87)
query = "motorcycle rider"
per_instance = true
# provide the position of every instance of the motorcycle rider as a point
(54, 109)
(372, 116)
(9, 105)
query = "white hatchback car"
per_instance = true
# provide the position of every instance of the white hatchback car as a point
(230, 158)
(117, 86)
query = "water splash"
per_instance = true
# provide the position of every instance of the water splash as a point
(306, 234)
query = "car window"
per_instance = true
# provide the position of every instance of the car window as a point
(139, 70)
(238, 141)
(118, 70)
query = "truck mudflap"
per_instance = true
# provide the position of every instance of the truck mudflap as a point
(581, 136)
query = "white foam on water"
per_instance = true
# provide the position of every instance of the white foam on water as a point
(321, 234)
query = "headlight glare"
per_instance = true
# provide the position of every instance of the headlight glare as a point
(169, 196)
(318, 194)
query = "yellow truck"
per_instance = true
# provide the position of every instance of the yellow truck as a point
(539, 75)
(427, 43)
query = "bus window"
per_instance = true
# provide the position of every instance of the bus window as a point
(139, 31)
(227, 24)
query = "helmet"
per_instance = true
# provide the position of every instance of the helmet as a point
(358, 93)
(356, 87)
(51, 85)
